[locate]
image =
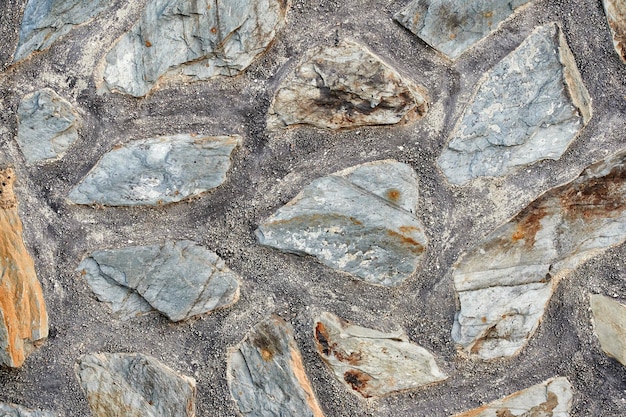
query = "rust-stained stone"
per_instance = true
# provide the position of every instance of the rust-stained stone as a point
(609, 318)
(23, 316)
(616, 15)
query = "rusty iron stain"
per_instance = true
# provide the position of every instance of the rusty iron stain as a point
(393, 195)
(148, 43)
(528, 226)
(213, 30)
(358, 381)
(321, 335)
(414, 246)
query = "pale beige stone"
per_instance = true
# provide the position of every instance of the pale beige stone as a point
(609, 318)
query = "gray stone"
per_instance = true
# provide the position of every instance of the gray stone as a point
(47, 126)
(529, 107)
(505, 282)
(373, 363)
(452, 27)
(180, 279)
(360, 220)
(157, 171)
(266, 375)
(134, 385)
(616, 15)
(194, 40)
(345, 86)
(12, 410)
(47, 20)
(609, 319)
(553, 398)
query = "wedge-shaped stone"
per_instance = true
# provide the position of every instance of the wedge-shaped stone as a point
(12, 410)
(452, 27)
(157, 171)
(180, 279)
(197, 40)
(504, 284)
(609, 319)
(134, 385)
(345, 86)
(266, 375)
(552, 398)
(23, 316)
(373, 363)
(360, 220)
(529, 107)
(616, 15)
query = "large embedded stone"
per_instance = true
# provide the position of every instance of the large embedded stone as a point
(157, 171)
(360, 220)
(609, 319)
(12, 410)
(266, 375)
(373, 363)
(529, 107)
(47, 126)
(506, 281)
(196, 40)
(616, 15)
(23, 316)
(180, 279)
(345, 86)
(134, 385)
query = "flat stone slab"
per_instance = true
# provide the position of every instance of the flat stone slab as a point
(529, 107)
(180, 279)
(345, 86)
(609, 318)
(553, 398)
(452, 27)
(616, 16)
(193, 40)
(266, 375)
(157, 171)
(12, 410)
(373, 363)
(360, 220)
(134, 385)
(505, 282)
(47, 125)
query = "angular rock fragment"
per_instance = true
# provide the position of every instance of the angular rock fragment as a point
(345, 86)
(551, 398)
(373, 363)
(452, 27)
(360, 220)
(47, 126)
(157, 171)
(23, 316)
(180, 279)
(12, 410)
(197, 40)
(616, 15)
(506, 281)
(609, 318)
(529, 107)
(266, 375)
(134, 385)
(45, 21)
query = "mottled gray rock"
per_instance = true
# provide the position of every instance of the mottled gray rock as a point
(452, 27)
(553, 398)
(529, 107)
(616, 16)
(157, 171)
(345, 86)
(373, 363)
(180, 279)
(45, 21)
(505, 282)
(266, 375)
(47, 125)
(134, 385)
(360, 220)
(196, 40)
(12, 410)
(609, 319)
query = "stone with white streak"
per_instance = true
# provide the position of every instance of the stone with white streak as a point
(616, 16)
(609, 318)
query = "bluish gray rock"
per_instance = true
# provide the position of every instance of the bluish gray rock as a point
(360, 220)
(157, 171)
(529, 107)
(12, 410)
(616, 16)
(180, 279)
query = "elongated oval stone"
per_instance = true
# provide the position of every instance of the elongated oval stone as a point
(616, 16)
(12, 410)
(609, 319)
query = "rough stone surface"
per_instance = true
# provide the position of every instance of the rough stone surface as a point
(529, 107)
(197, 40)
(345, 86)
(371, 362)
(180, 279)
(157, 171)
(12, 410)
(23, 315)
(47, 126)
(134, 385)
(616, 15)
(266, 374)
(506, 281)
(609, 319)
(360, 220)
(553, 398)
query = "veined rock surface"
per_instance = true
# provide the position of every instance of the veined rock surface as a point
(616, 15)
(609, 319)
(12, 410)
